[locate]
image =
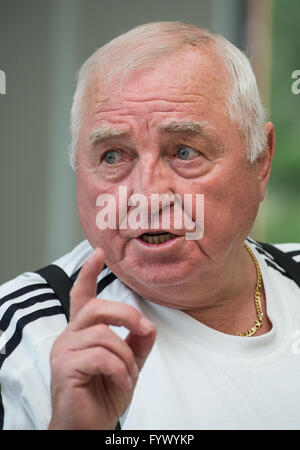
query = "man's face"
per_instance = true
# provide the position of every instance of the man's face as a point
(148, 154)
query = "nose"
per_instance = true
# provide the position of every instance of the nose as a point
(152, 176)
(152, 185)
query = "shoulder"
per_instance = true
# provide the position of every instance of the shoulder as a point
(73, 261)
(29, 308)
(30, 311)
(283, 258)
(30, 319)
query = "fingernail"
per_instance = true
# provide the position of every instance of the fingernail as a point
(146, 325)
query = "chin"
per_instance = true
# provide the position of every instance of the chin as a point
(154, 276)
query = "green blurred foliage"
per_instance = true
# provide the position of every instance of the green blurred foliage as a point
(283, 199)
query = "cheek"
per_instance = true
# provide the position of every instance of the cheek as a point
(86, 204)
(230, 208)
(88, 192)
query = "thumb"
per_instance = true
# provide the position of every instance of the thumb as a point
(85, 287)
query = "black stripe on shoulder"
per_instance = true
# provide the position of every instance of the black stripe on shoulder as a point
(22, 291)
(263, 252)
(269, 259)
(7, 316)
(75, 274)
(102, 284)
(270, 264)
(252, 241)
(284, 261)
(14, 341)
(293, 253)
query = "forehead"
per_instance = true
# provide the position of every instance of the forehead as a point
(189, 81)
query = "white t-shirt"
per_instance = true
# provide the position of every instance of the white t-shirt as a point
(194, 378)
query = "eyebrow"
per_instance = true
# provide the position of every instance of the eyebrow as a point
(189, 126)
(192, 127)
(103, 134)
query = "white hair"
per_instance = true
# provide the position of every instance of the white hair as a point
(144, 45)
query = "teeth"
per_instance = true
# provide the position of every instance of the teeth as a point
(158, 238)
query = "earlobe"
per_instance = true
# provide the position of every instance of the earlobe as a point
(264, 162)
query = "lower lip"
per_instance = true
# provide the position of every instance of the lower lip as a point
(163, 245)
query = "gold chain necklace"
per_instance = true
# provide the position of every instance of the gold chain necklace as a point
(259, 313)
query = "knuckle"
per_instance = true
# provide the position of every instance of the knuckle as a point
(119, 369)
(110, 361)
(133, 312)
(127, 313)
(101, 354)
(104, 361)
(93, 306)
(102, 330)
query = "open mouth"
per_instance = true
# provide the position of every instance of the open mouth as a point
(157, 238)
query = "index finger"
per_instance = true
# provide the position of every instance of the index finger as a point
(85, 286)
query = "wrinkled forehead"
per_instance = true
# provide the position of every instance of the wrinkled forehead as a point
(189, 71)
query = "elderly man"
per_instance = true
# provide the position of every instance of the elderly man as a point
(165, 331)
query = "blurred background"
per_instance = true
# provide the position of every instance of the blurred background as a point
(43, 44)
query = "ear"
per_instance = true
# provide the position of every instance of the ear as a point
(264, 161)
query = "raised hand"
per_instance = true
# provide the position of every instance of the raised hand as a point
(93, 370)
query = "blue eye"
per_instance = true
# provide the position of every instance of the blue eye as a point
(187, 153)
(111, 157)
